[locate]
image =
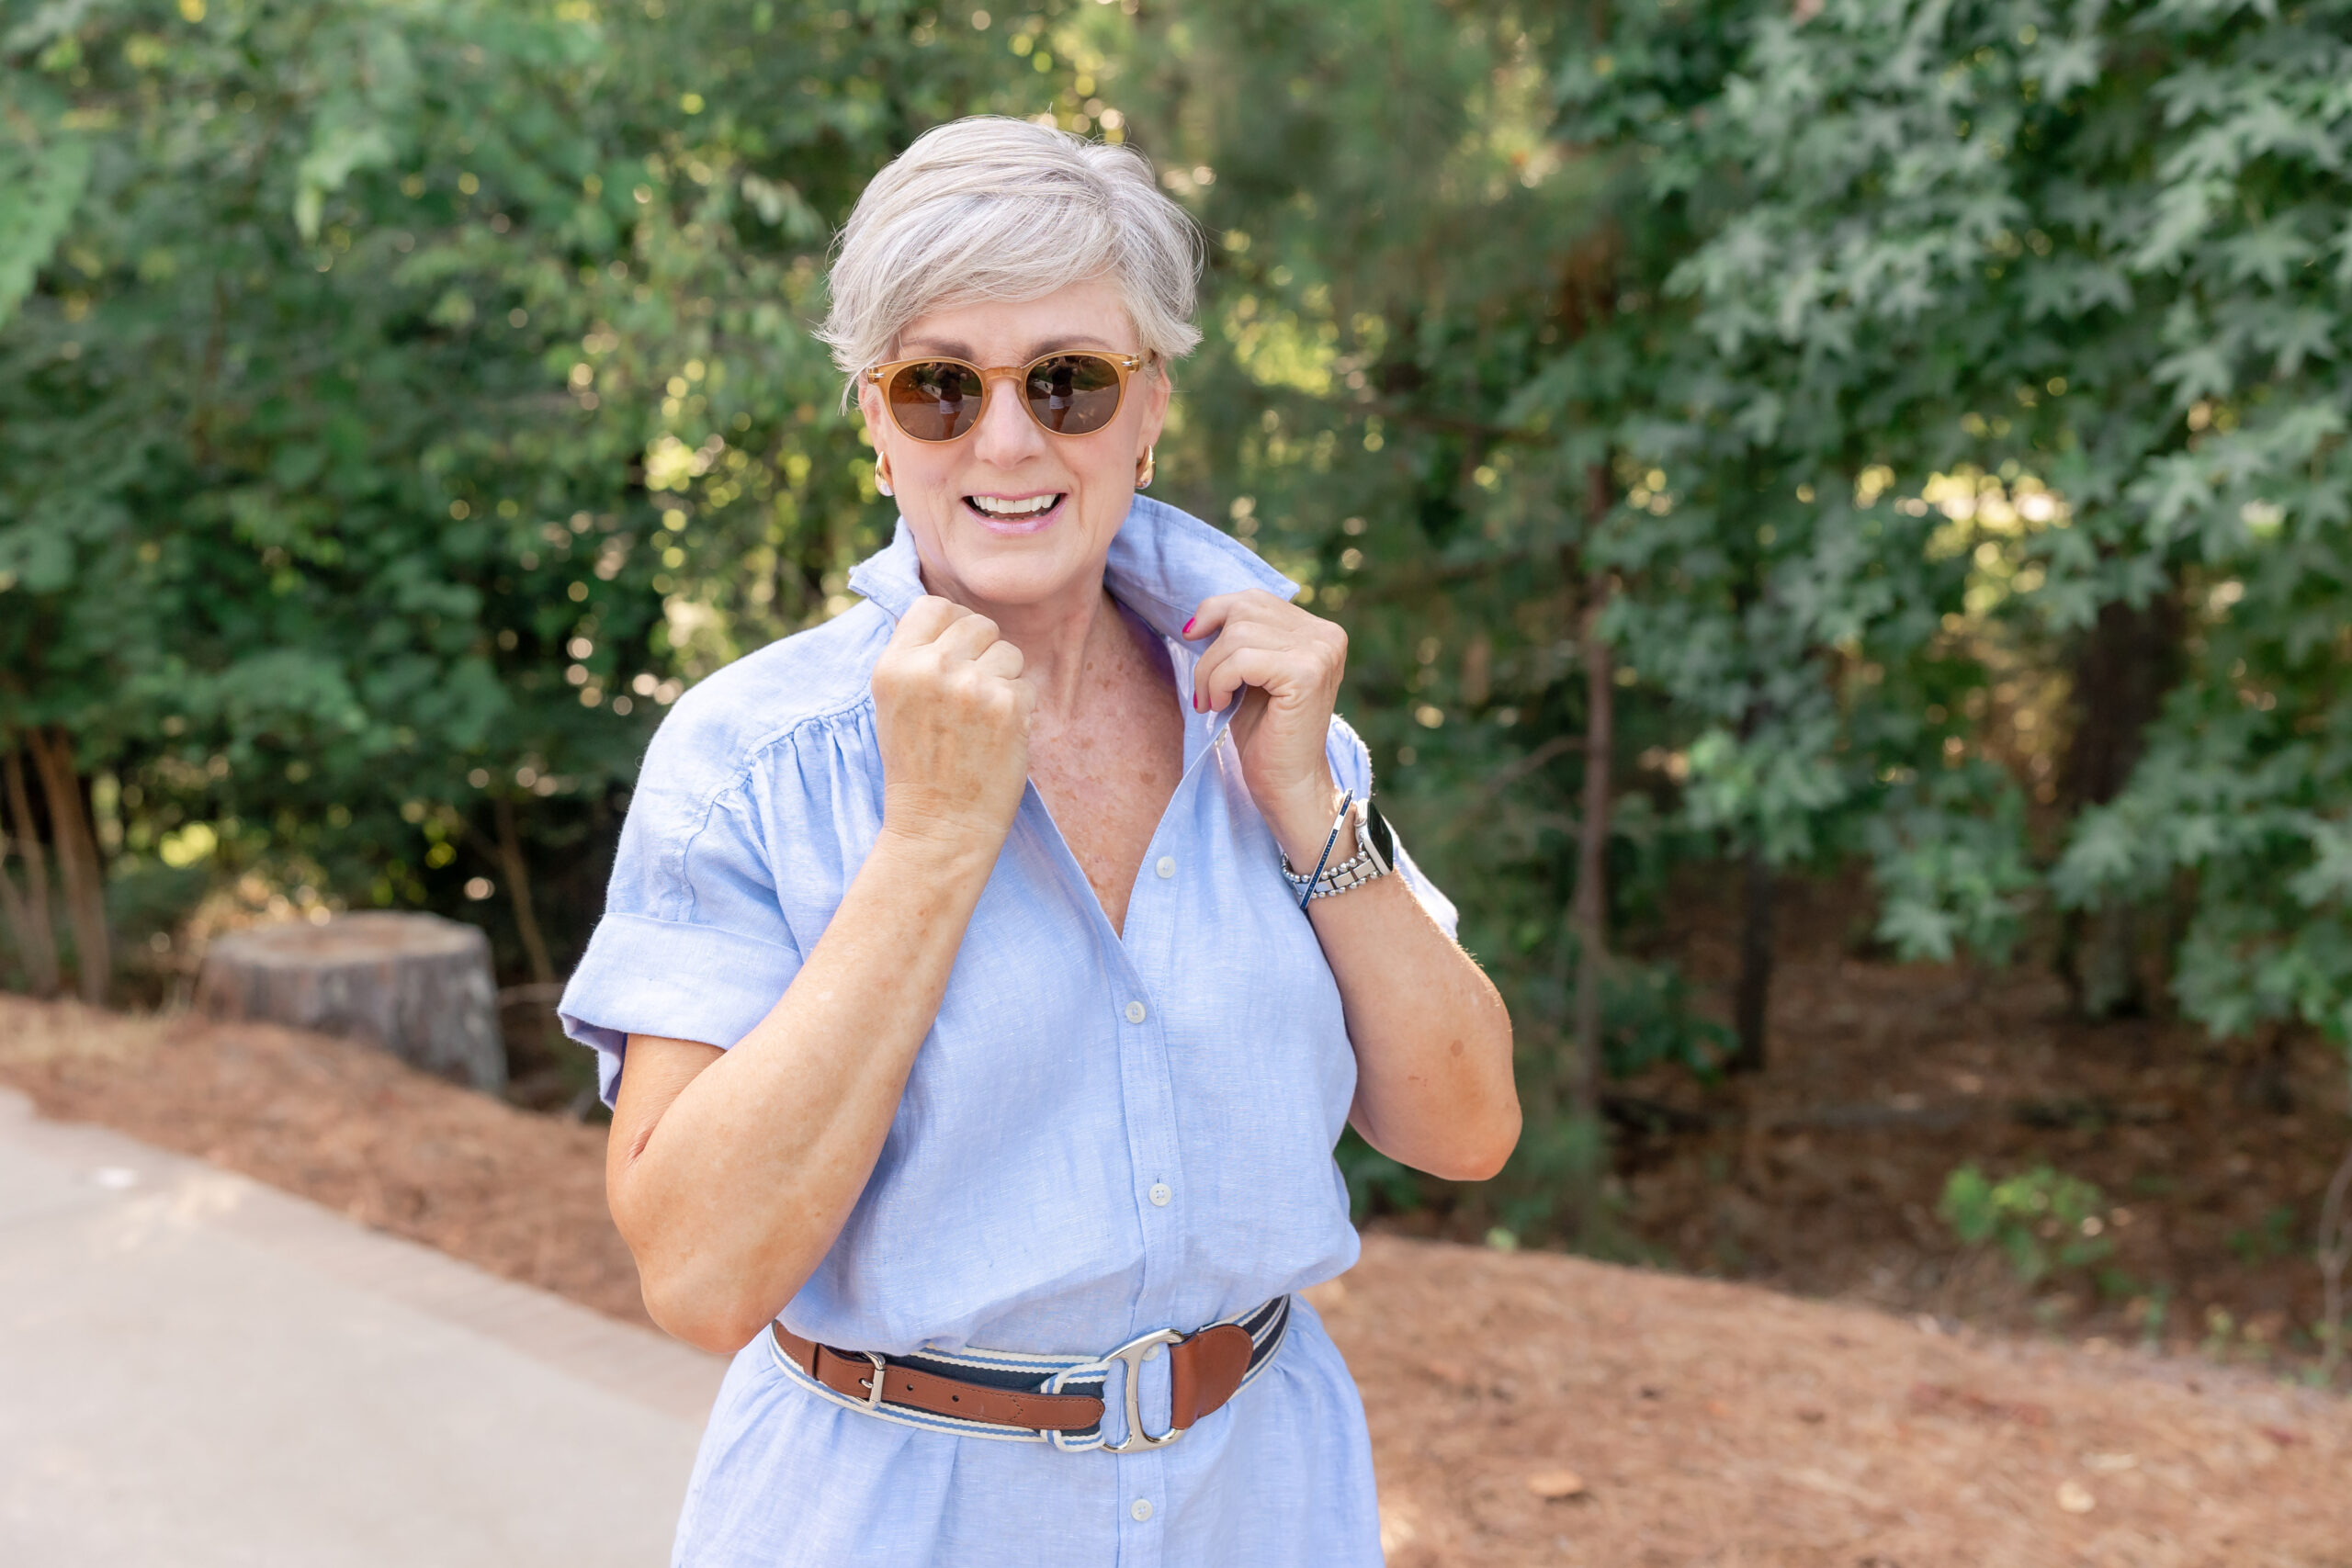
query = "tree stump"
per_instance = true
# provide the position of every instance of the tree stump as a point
(416, 984)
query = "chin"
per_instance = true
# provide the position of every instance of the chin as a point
(993, 574)
(1021, 554)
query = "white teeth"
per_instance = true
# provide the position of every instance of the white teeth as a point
(997, 507)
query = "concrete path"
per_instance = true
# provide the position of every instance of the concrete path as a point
(198, 1371)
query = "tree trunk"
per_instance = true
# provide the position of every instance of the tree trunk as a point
(1751, 1005)
(2334, 1254)
(35, 939)
(1589, 913)
(416, 984)
(20, 918)
(517, 873)
(2266, 1071)
(2102, 960)
(77, 862)
(15, 914)
(2123, 667)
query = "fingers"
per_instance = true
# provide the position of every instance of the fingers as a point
(955, 630)
(946, 627)
(1000, 659)
(967, 636)
(1278, 647)
(925, 619)
(1280, 673)
(1219, 611)
(1210, 617)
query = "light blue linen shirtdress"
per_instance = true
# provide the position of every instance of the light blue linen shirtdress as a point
(1102, 1134)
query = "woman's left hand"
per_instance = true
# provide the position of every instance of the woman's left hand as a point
(1284, 665)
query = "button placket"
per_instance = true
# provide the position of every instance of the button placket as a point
(1144, 1492)
(1144, 963)
(1149, 1094)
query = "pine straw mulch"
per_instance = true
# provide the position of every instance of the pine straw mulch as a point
(1524, 1408)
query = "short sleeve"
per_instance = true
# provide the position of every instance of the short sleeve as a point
(693, 944)
(1351, 767)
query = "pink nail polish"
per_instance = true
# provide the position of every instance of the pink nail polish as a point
(1188, 626)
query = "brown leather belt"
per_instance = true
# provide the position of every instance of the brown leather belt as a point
(1205, 1369)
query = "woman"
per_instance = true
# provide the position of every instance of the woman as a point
(963, 1031)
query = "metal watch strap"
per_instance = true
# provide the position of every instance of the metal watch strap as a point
(1367, 864)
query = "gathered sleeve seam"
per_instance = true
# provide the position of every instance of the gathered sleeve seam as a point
(737, 785)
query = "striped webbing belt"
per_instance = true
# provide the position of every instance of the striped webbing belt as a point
(1004, 1377)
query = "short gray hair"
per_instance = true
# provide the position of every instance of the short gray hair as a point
(990, 208)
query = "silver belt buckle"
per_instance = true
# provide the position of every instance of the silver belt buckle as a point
(873, 1384)
(1135, 1353)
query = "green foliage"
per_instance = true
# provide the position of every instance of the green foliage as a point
(1560, 1155)
(1649, 1018)
(2276, 1237)
(2044, 1222)
(1952, 872)
(2096, 247)
(42, 172)
(1376, 1184)
(400, 478)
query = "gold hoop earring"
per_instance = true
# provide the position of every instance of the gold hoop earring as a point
(1144, 470)
(882, 480)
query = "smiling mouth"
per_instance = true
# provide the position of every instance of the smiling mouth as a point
(1002, 509)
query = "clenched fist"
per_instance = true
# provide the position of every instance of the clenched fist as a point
(952, 713)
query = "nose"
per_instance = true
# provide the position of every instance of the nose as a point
(1006, 437)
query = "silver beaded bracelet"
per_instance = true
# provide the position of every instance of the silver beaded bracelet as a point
(1375, 854)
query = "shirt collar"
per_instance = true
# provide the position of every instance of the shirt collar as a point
(1163, 562)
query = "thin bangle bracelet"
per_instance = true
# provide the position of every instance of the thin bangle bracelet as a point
(1347, 804)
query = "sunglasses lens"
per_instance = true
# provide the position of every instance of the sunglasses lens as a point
(935, 399)
(1073, 394)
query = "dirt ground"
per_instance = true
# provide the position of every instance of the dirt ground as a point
(1524, 1408)
(1823, 1174)
(1884, 1078)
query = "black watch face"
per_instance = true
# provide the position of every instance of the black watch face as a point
(1384, 842)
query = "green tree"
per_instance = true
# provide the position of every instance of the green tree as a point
(359, 514)
(2090, 259)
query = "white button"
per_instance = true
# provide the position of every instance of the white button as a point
(1160, 1194)
(1167, 866)
(1135, 1012)
(1142, 1510)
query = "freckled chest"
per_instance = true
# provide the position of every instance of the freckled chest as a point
(1108, 768)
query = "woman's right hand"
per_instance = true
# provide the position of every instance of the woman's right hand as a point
(952, 713)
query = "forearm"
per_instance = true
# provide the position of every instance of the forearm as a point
(732, 1197)
(1434, 1085)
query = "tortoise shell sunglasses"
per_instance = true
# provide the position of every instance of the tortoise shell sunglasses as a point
(1074, 392)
